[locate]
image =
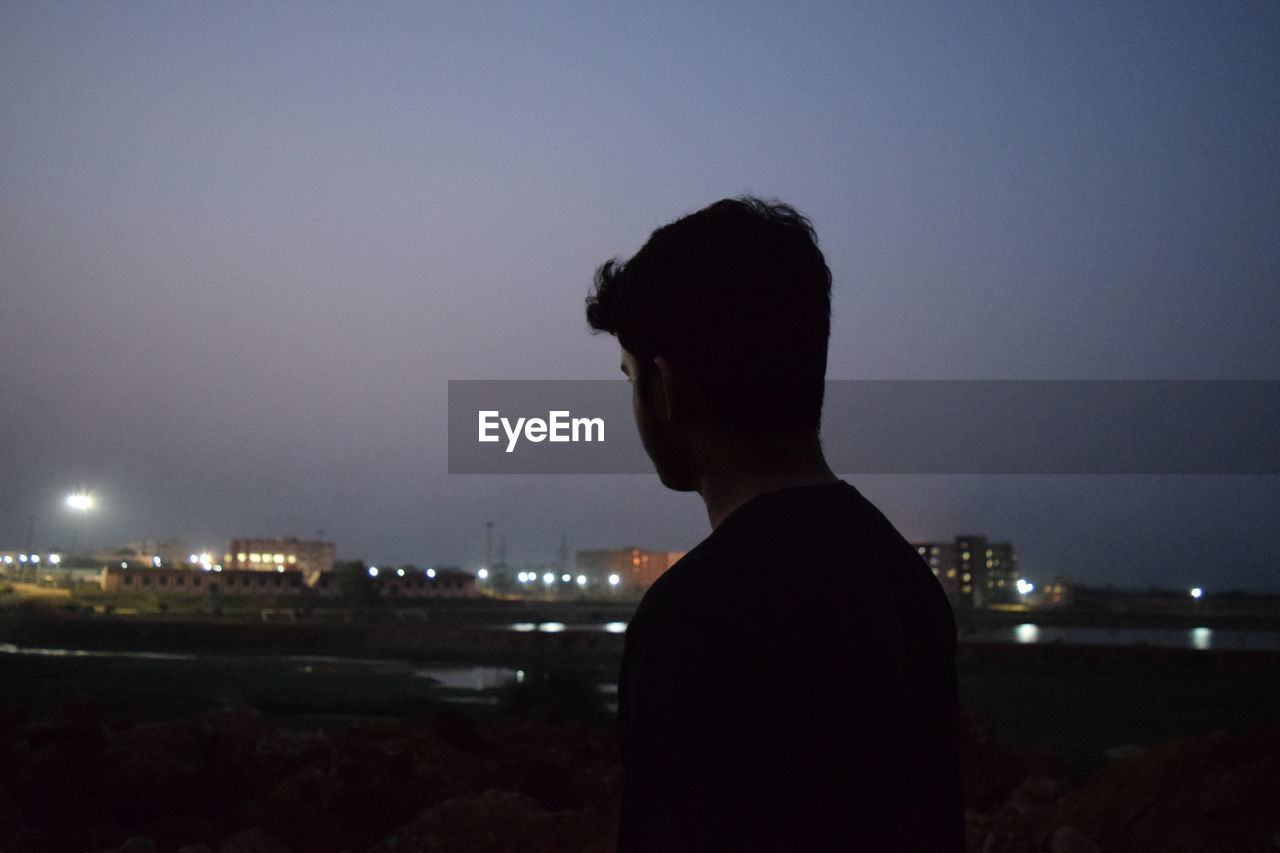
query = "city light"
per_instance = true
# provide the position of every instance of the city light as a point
(155, 561)
(431, 573)
(482, 574)
(399, 573)
(1025, 587)
(582, 580)
(548, 578)
(373, 571)
(565, 577)
(614, 580)
(1196, 592)
(80, 501)
(55, 559)
(523, 577)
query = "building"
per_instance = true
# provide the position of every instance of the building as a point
(626, 572)
(189, 581)
(126, 577)
(943, 562)
(268, 555)
(973, 571)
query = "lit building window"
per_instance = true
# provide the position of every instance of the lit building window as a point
(279, 558)
(951, 573)
(966, 589)
(241, 557)
(920, 550)
(967, 577)
(255, 558)
(293, 558)
(965, 555)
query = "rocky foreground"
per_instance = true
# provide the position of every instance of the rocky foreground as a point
(233, 782)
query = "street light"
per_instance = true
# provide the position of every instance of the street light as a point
(80, 502)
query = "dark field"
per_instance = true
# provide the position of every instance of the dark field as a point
(359, 754)
(1074, 704)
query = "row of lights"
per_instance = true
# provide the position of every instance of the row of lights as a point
(373, 572)
(34, 559)
(550, 577)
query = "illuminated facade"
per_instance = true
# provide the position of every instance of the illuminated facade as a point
(273, 555)
(973, 571)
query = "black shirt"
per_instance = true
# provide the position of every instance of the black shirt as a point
(789, 685)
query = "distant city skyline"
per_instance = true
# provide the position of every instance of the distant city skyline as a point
(245, 247)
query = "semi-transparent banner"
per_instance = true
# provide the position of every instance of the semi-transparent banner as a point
(902, 427)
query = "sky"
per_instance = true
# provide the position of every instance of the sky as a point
(245, 246)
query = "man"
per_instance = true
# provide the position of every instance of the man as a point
(789, 685)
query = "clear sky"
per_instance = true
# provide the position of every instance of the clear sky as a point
(244, 246)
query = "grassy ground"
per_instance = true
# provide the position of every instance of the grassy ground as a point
(1079, 709)
(1071, 708)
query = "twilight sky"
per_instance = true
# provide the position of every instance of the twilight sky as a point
(244, 246)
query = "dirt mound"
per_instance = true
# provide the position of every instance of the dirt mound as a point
(1214, 794)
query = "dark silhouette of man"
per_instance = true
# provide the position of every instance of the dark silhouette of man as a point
(788, 685)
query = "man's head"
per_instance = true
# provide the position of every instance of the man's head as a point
(735, 302)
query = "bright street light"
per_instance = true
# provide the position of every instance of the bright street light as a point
(80, 501)
(1196, 592)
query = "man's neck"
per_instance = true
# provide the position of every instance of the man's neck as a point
(725, 487)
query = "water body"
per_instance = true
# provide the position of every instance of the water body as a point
(1175, 638)
(1029, 633)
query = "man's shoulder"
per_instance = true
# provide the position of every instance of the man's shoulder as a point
(784, 543)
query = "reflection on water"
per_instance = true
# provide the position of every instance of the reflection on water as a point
(470, 677)
(10, 649)
(557, 627)
(1027, 633)
(1201, 638)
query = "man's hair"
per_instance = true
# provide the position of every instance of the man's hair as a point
(739, 295)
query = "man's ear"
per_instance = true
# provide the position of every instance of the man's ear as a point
(677, 390)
